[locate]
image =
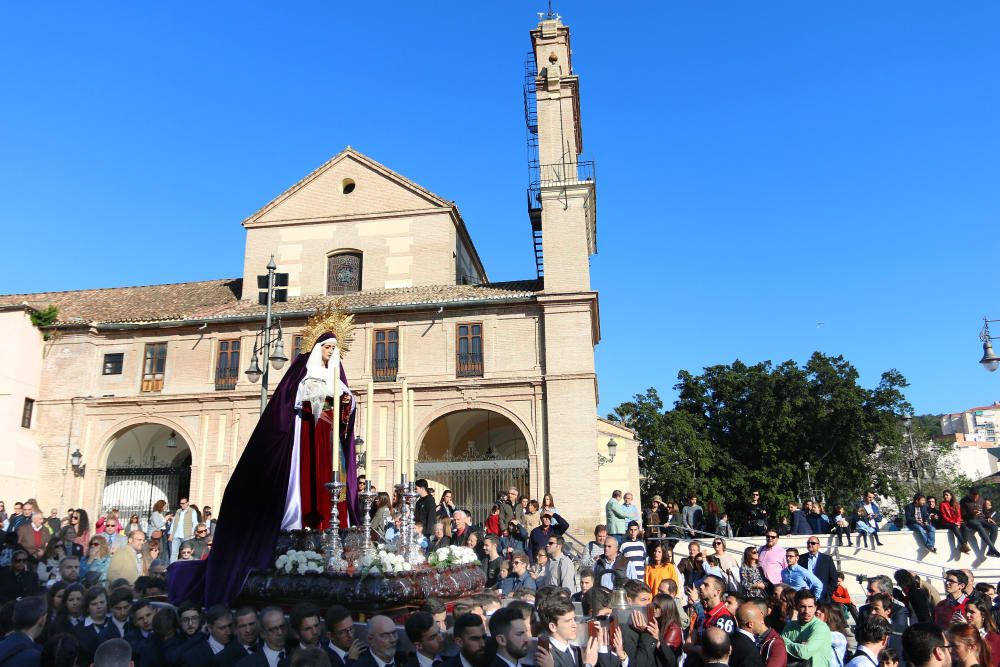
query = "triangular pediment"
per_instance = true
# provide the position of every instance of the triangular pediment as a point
(322, 194)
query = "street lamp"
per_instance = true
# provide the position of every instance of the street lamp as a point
(990, 360)
(268, 342)
(612, 449)
(76, 462)
(914, 460)
(809, 484)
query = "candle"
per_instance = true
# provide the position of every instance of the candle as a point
(411, 436)
(403, 432)
(335, 362)
(369, 416)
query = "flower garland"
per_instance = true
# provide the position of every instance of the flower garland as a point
(446, 557)
(382, 562)
(300, 562)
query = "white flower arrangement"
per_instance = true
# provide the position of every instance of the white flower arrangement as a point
(446, 557)
(382, 562)
(300, 562)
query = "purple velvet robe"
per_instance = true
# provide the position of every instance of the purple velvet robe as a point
(254, 501)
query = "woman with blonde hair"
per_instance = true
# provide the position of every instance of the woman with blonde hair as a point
(97, 559)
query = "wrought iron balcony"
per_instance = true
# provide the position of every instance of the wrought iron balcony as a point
(470, 364)
(225, 378)
(384, 369)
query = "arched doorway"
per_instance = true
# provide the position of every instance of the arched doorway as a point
(146, 463)
(478, 454)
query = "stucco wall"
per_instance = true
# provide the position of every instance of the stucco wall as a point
(20, 378)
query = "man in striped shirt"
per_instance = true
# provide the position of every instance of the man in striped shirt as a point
(634, 550)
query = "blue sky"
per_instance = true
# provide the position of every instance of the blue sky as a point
(762, 167)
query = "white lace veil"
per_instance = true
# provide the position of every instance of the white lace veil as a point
(319, 380)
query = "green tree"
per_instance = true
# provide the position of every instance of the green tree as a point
(736, 427)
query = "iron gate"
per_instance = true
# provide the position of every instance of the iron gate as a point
(475, 484)
(135, 489)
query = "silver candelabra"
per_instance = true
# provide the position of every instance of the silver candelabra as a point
(367, 496)
(412, 552)
(334, 549)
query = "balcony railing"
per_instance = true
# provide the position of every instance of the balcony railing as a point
(385, 369)
(225, 378)
(470, 365)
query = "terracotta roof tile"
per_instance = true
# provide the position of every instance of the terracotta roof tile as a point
(220, 300)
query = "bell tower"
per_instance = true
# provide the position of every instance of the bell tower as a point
(562, 211)
(561, 187)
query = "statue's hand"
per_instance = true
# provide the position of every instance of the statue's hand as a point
(345, 398)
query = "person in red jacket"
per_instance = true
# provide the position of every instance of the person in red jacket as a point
(951, 609)
(951, 518)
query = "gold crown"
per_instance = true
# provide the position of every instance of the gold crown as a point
(333, 318)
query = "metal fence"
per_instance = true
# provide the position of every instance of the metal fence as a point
(475, 484)
(135, 489)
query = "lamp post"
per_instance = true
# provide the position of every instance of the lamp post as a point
(612, 449)
(809, 484)
(914, 460)
(269, 336)
(990, 360)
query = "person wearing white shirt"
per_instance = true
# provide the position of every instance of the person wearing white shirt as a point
(510, 630)
(559, 620)
(275, 632)
(343, 647)
(382, 640)
(470, 638)
(873, 636)
(425, 635)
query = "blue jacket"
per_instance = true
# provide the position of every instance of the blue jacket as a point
(798, 523)
(18, 650)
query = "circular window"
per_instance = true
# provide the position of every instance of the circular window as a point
(347, 186)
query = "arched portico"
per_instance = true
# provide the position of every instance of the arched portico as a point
(144, 463)
(476, 453)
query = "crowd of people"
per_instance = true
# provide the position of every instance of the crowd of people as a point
(73, 594)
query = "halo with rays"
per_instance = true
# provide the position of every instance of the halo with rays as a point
(333, 318)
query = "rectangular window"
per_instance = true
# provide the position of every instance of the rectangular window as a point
(227, 366)
(29, 407)
(470, 350)
(154, 362)
(385, 361)
(113, 363)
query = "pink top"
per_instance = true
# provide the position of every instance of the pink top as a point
(772, 561)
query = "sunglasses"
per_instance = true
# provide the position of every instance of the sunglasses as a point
(812, 543)
(716, 544)
(95, 544)
(772, 537)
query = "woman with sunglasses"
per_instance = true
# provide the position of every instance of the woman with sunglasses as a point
(80, 522)
(98, 558)
(755, 584)
(48, 564)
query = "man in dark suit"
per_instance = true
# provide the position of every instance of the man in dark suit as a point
(19, 581)
(19, 647)
(637, 643)
(425, 635)
(220, 633)
(146, 646)
(820, 565)
(512, 634)
(470, 637)
(382, 640)
(716, 647)
(342, 648)
(247, 639)
(559, 623)
(425, 511)
(274, 629)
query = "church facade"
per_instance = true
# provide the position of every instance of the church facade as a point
(139, 393)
